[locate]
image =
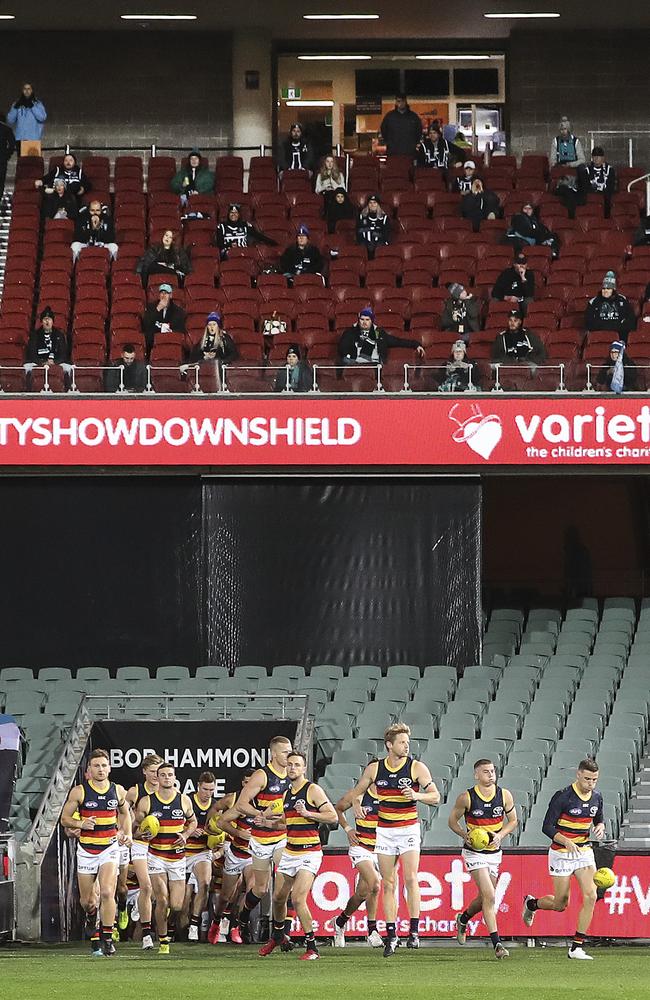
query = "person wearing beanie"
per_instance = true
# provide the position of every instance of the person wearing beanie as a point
(610, 310)
(566, 148)
(598, 177)
(296, 152)
(162, 317)
(302, 257)
(164, 257)
(47, 345)
(296, 375)
(461, 312)
(61, 204)
(338, 208)
(75, 180)
(367, 344)
(215, 344)
(373, 227)
(234, 232)
(192, 178)
(526, 229)
(479, 204)
(516, 284)
(401, 129)
(517, 345)
(458, 370)
(606, 372)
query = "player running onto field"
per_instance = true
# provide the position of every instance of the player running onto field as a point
(198, 858)
(236, 871)
(362, 837)
(485, 807)
(305, 806)
(177, 822)
(570, 814)
(98, 810)
(401, 783)
(261, 801)
(140, 847)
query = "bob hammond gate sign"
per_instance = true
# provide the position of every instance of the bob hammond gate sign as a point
(469, 431)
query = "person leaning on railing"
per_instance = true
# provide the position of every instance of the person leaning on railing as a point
(133, 375)
(459, 371)
(296, 375)
(517, 345)
(606, 372)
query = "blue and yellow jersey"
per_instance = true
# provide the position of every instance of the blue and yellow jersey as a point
(485, 813)
(571, 813)
(394, 810)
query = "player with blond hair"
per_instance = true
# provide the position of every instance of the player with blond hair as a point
(401, 782)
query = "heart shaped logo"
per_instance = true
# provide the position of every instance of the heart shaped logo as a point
(483, 437)
(482, 434)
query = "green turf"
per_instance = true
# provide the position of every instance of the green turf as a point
(201, 972)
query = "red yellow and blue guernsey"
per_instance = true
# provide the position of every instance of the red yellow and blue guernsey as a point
(102, 807)
(275, 785)
(198, 842)
(394, 810)
(571, 813)
(302, 833)
(485, 814)
(366, 828)
(172, 821)
(239, 845)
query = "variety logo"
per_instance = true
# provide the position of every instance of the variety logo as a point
(482, 434)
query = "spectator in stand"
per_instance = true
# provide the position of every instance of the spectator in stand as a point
(192, 178)
(215, 345)
(367, 344)
(516, 284)
(163, 316)
(61, 203)
(458, 371)
(464, 183)
(133, 374)
(642, 233)
(338, 207)
(479, 205)
(296, 152)
(94, 228)
(164, 257)
(234, 232)
(434, 151)
(461, 312)
(606, 373)
(527, 230)
(73, 176)
(566, 148)
(7, 150)
(329, 178)
(47, 344)
(609, 310)
(598, 177)
(373, 226)
(401, 129)
(27, 116)
(302, 257)
(296, 376)
(517, 345)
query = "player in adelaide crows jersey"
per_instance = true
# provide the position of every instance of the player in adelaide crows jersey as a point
(237, 870)
(140, 848)
(362, 837)
(98, 811)
(401, 782)
(167, 848)
(261, 801)
(571, 814)
(306, 806)
(198, 856)
(487, 807)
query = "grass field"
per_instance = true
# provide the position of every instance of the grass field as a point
(200, 971)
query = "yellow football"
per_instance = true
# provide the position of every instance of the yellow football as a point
(216, 840)
(604, 878)
(478, 839)
(212, 826)
(150, 824)
(76, 816)
(277, 806)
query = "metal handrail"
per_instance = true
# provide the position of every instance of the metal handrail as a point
(251, 368)
(589, 386)
(646, 178)
(407, 387)
(340, 368)
(498, 367)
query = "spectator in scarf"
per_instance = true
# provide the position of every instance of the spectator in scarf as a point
(296, 375)
(373, 226)
(607, 371)
(610, 310)
(234, 233)
(296, 152)
(566, 148)
(61, 203)
(461, 312)
(458, 370)
(517, 345)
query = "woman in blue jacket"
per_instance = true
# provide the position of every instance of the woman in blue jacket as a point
(27, 115)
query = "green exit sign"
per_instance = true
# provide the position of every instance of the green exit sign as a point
(291, 93)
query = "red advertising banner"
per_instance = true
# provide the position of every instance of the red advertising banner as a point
(490, 430)
(446, 889)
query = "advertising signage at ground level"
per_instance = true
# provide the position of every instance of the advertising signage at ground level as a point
(474, 432)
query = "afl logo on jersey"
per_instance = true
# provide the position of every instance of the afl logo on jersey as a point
(575, 812)
(381, 784)
(477, 812)
(92, 805)
(274, 788)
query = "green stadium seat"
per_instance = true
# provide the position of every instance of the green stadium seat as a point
(128, 676)
(620, 602)
(172, 673)
(287, 673)
(211, 673)
(22, 676)
(367, 671)
(397, 671)
(329, 672)
(460, 726)
(52, 675)
(507, 614)
(250, 672)
(353, 757)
